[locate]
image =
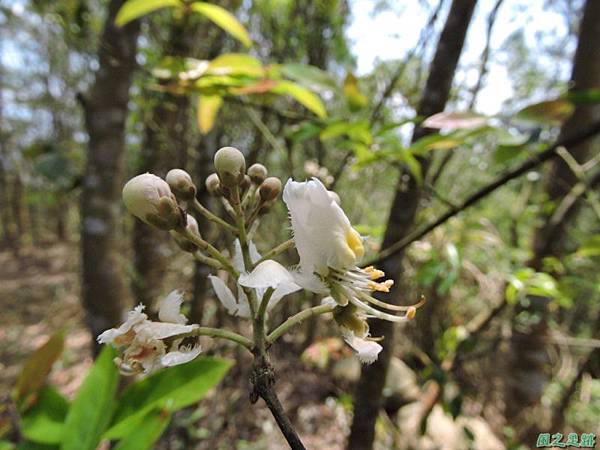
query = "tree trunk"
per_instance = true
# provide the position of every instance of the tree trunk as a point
(528, 359)
(367, 399)
(105, 108)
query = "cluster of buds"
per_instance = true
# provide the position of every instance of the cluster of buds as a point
(252, 190)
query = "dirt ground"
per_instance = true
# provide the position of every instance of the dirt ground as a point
(39, 294)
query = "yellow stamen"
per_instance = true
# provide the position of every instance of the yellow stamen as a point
(381, 287)
(374, 274)
(354, 241)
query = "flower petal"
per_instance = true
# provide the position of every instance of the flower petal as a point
(238, 258)
(268, 274)
(180, 356)
(322, 232)
(169, 308)
(160, 330)
(367, 351)
(133, 318)
(235, 308)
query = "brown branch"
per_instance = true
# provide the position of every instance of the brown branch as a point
(482, 193)
(263, 380)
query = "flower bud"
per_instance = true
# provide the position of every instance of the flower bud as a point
(333, 196)
(346, 317)
(183, 243)
(246, 182)
(181, 184)
(230, 165)
(270, 189)
(257, 173)
(213, 185)
(150, 199)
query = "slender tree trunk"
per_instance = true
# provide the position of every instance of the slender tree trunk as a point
(164, 147)
(367, 399)
(105, 108)
(528, 359)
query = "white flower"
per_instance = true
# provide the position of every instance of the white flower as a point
(267, 274)
(366, 350)
(169, 308)
(329, 249)
(143, 341)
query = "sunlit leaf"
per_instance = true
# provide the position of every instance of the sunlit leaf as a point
(455, 120)
(259, 87)
(149, 430)
(302, 95)
(134, 9)
(224, 19)
(44, 421)
(36, 369)
(590, 248)
(92, 408)
(355, 98)
(552, 112)
(171, 389)
(172, 67)
(308, 76)
(208, 108)
(236, 64)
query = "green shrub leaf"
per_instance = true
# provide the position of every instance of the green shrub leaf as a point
(134, 9)
(92, 408)
(43, 423)
(172, 389)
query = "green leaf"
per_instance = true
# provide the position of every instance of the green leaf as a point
(36, 370)
(302, 95)
(355, 98)
(149, 430)
(358, 132)
(304, 132)
(208, 108)
(5, 445)
(173, 388)
(455, 120)
(93, 405)
(584, 97)
(591, 247)
(28, 445)
(43, 423)
(551, 112)
(236, 64)
(308, 76)
(224, 19)
(134, 9)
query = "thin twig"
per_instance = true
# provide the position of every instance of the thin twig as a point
(500, 181)
(298, 319)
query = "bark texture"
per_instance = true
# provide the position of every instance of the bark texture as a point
(105, 108)
(368, 395)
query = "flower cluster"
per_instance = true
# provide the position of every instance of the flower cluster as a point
(148, 345)
(328, 246)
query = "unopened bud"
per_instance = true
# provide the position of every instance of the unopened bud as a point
(230, 165)
(333, 196)
(213, 185)
(270, 189)
(150, 199)
(246, 182)
(183, 243)
(181, 184)
(257, 173)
